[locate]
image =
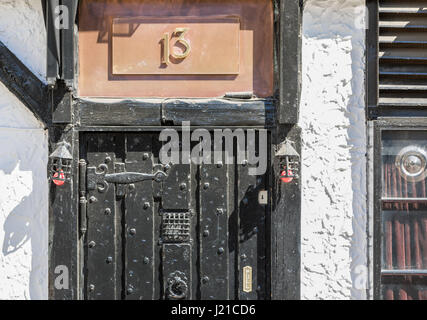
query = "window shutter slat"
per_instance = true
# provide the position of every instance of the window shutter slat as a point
(402, 55)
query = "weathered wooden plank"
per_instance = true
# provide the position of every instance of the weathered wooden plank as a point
(112, 112)
(176, 187)
(218, 112)
(103, 256)
(214, 251)
(252, 240)
(139, 228)
(233, 232)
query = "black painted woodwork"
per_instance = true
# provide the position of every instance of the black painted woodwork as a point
(24, 84)
(128, 254)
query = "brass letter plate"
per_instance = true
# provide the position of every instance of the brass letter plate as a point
(176, 45)
(247, 279)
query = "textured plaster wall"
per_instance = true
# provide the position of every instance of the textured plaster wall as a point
(334, 237)
(22, 30)
(23, 161)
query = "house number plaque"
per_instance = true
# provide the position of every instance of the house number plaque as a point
(176, 45)
(181, 40)
(175, 49)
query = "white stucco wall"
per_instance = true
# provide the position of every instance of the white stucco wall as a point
(23, 161)
(334, 237)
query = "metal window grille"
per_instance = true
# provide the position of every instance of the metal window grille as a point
(176, 227)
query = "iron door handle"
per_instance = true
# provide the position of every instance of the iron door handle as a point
(133, 177)
(98, 178)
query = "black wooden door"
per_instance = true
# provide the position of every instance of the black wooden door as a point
(179, 231)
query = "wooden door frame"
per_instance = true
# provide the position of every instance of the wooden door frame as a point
(63, 114)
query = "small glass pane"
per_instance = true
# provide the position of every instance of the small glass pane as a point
(404, 288)
(404, 237)
(404, 164)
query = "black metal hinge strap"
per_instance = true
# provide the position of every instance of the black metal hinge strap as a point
(98, 178)
(132, 177)
(82, 193)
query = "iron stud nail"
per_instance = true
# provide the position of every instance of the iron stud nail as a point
(183, 186)
(146, 260)
(91, 244)
(145, 156)
(220, 250)
(107, 211)
(132, 231)
(205, 279)
(219, 211)
(146, 205)
(129, 290)
(219, 164)
(243, 256)
(109, 259)
(245, 163)
(91, 287)
(206, 185)
(107, 159)
(206, 233)
(131, 187)
(92, 199)
(245, 201)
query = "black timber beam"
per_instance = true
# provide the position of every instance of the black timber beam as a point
(24, 84)
(53, 42)
(288, 45)
(60, 18)
(117, 112)
(152, 112)
(63, 223)
(371, 82)
(219, 112)
(286, 225)
(68, 44)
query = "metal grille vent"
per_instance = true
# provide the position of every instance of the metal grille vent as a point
(402, 52)
(176, 227)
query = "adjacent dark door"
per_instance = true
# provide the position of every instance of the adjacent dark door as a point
(182, 231)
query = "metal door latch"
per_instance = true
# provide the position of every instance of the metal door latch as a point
(97, 178)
